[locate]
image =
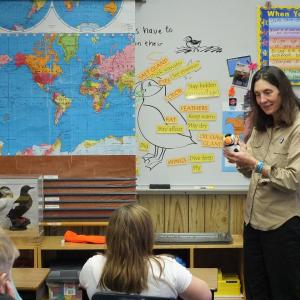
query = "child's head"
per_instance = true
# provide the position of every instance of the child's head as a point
(129, 248)
(130, 227)
(8, 252)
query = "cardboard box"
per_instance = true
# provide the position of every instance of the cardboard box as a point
(64, 285)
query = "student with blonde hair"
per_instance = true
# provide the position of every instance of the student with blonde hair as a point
(129, 265)
(8, 254)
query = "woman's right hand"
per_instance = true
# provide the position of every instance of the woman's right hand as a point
(6, 287)
(241, 158)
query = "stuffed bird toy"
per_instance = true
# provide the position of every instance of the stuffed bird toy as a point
(6, 195)
(231, 142)
(23, 204)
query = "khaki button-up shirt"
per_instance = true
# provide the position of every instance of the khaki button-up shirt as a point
(273, 200)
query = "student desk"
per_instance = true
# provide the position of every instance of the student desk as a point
(210, 275)
(30, 282)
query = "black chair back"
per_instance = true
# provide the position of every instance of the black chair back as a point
(120, 296)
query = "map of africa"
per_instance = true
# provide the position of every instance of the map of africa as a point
(66, 94)
(87, 15)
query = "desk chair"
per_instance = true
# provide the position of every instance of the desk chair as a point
(120, 296)
(112, 296)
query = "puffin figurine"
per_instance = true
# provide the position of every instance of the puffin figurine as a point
(21, 206)
(231, 142)
(6, 195)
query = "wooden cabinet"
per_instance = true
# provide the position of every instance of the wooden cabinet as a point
(53, 250)
(28, 248)
(226, 256)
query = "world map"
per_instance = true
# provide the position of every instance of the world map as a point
(86, 15)
(22, 15)
(66, 94)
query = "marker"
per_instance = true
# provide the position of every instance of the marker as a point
(204, 187)
(207, 187)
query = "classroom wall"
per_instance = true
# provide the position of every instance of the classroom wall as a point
(195, 213)
(170, 212)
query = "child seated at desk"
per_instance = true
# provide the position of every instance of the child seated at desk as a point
(8, 254)
(129, 266)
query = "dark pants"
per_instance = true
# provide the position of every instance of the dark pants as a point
(272, 262)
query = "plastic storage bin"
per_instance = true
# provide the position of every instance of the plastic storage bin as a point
(228, 285)
(64, 285)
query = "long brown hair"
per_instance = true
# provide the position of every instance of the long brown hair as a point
(290, 102)
(129, 248)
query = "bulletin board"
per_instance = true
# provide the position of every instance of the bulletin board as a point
(194, 62)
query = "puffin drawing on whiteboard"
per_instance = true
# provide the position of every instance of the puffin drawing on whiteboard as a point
(153, 111)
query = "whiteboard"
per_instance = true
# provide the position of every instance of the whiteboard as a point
(225, 30)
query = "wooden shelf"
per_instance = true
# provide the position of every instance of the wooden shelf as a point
(30, 245)
(194, 248)
(55, 248)
(76, 224)
(236, 243)
(57, 243)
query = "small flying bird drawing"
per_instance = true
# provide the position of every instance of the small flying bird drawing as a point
(6, 195)
(23, 204)
(191, 43)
